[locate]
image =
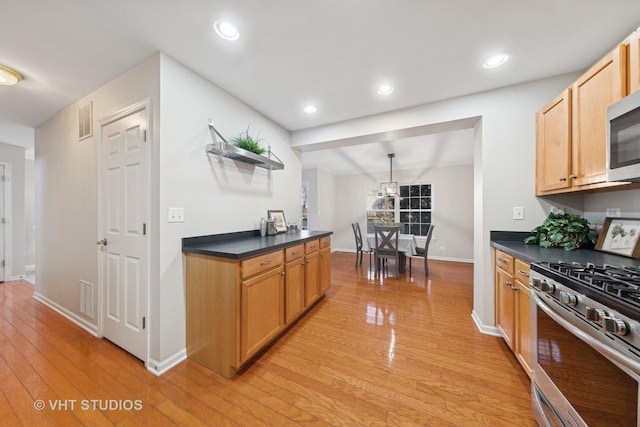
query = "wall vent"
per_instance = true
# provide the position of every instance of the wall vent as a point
(86, 299)
(85, 121)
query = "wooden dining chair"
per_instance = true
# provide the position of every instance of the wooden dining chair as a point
(386, 246)
(359, 245)
(424, 251)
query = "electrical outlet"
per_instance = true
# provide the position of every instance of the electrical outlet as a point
(613, 212)
(557, 211)
(518, 212)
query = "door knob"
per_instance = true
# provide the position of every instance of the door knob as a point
(102, 242)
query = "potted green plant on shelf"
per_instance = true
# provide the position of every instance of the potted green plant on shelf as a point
(247, 142)
(567, 231)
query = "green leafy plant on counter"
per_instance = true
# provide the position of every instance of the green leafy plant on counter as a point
(563, 230)
(247, 142)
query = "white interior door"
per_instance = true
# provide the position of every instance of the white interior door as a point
(124, 213)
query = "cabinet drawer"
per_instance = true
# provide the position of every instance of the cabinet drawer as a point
(504, 261)
(293, 252)
(325, 242)
(261, 263)
(311, 246)
(522, 272)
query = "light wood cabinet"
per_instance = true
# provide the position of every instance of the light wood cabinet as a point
(505, 298)
(553, 145)
(634, 61)
(523, 315)
(261, 311)
(325, 264)
(571, 130)
(294, 283)
(312, 271)
(237, 307)
(512, 305)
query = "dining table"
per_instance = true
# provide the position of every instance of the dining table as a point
(406, 246)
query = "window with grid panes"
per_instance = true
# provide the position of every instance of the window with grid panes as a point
(415, 208)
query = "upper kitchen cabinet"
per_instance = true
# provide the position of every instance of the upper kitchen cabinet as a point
(634, 61)
(592, 93)
(553, 145)
(571, 130)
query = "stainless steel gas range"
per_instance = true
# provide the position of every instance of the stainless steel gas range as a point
(586, 344)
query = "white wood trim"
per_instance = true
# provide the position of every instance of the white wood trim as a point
(159, 368)
(485, 329)
(81, 322)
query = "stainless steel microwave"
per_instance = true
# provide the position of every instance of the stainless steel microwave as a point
(623, 139)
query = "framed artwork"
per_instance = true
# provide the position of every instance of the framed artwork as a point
(278, 217)
(620, 236)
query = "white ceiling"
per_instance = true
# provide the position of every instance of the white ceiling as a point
(333, 53)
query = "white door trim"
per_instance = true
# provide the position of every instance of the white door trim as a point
(8, 225)
(139, 106)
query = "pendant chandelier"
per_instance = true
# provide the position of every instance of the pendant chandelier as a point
(389, 188)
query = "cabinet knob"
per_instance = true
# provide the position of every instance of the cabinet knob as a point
(563, 179)
(573, 176)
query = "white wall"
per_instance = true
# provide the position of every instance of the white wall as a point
(504, 161)
(29, 215)
(218, 195)
(452, 201)
(323, 208)
(66, 185)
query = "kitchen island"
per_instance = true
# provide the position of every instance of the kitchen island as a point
(244, 290)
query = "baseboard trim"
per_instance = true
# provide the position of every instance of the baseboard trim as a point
(159, 368)
(485, 329)
(73, 317)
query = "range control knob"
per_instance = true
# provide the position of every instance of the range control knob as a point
(615, 326)
(535, 282)
(547, 287)
(595, 314)
(568, 299)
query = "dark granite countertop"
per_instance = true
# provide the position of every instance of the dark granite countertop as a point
(513, 244)
(245, 244)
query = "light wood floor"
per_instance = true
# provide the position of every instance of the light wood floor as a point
(373, 352)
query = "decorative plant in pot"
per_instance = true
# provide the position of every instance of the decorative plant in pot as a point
(567, 231)
(247, 142)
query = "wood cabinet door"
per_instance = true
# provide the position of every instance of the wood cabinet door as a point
(294, 299)
(523, 336)
(261, 311)
(505, 311)
(603, 84)
(325, 270)
(553, 144)
(311, 276)
(634, 62)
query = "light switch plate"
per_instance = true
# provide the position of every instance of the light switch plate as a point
(176, 215)
(518, 212)
(613, 212)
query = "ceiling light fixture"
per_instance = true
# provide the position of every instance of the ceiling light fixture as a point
(226, 30)
(389, 188)
(9, 76)
(310, 109)
(496, 60)
(385, 90)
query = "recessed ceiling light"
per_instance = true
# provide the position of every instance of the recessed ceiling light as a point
(9, 76)
(310, 109)
(496, 60)
(385, 90)
(226, 30)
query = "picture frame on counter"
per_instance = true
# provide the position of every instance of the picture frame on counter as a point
(620, 236)
(281, 222)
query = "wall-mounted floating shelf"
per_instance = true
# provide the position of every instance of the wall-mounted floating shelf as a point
(230, 151)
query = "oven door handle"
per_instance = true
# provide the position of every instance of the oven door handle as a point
(597, 345)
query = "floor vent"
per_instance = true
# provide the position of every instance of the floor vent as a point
(85, 121)
(86, 299)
